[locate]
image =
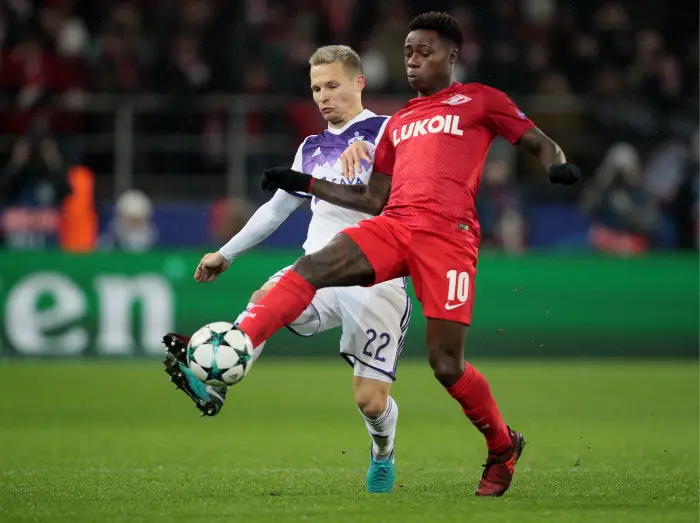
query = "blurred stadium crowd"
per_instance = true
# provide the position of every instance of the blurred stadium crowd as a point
(615, 82)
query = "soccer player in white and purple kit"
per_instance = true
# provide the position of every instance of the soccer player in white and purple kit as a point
(374, 320)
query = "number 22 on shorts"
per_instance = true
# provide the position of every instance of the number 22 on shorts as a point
(384, 338)
(458, 289)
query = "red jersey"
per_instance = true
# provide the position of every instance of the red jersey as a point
(435, 148)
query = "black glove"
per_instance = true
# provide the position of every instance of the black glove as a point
(564, 174)
(286, 179)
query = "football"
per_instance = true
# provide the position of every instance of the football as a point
(220, 355)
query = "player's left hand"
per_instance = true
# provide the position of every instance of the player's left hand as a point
(211, 266)
(286, 179)
(564, 174)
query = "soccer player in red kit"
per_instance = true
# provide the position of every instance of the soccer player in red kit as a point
(427, 170)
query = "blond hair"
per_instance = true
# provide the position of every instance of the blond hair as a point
(337, 53)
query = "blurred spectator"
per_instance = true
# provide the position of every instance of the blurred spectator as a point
(504, 67)
(686, 206)
(650, 48)
(186, 73)
(64, 31)
(40, 66)
(79, 223)
(593, 74)
(614, 31)
(382, 60)
(132, 229)
(228, 217)
(500, 204)
(665, 86)
(122, 55)
(623, 213)
(36, 174)
(583, 59)
(466, 68)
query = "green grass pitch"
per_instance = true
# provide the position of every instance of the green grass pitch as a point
(607, 441)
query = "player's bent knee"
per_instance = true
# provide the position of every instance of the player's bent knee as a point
(262, 291)
(257, 295)
(372, 408)
(372, 401)
(268, 285)
(447, 370)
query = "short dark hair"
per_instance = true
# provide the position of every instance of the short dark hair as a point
(443, 24)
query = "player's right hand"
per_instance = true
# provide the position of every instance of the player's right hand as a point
(351, 159)
(564, 174)
(286, 179)
(211, 266)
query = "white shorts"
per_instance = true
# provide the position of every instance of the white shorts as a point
(374, 322)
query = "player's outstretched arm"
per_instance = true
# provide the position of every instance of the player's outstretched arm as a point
(551, 156)
(370, 198)
(264, 222)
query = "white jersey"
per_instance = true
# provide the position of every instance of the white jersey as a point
(374, 319)
(319, 156)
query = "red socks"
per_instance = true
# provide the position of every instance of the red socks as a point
(282, 305)
(290, 297)
(473, 393)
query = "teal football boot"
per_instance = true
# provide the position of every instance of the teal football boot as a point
(209, 400)
(381, 474)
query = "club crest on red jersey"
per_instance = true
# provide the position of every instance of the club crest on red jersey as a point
(447, 124)
(457, 99)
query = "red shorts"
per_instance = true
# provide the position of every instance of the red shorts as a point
(441, 264)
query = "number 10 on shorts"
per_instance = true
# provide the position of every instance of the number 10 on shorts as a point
(458, 290)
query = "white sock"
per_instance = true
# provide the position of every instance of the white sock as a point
(383, 430)
(257, 350)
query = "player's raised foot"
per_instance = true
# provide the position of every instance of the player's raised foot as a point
(209, 400)
(499, 468)
(381, 474)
